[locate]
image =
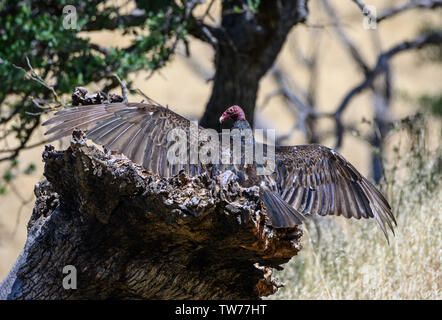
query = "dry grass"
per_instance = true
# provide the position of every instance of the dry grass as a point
(352, 260)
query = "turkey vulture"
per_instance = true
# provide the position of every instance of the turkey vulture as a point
(307, 179)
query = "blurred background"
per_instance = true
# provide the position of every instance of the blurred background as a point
(391, 131)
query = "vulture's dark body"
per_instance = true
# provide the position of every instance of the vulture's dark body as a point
(308, 179)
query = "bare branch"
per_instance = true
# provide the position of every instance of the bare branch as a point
(425, 4)
(343, 36)
(303, 110)
(123, 86)
(364, 9)
(204, 32)
(30, 146)
(207, 12)
(33, 75)
(149, 99)
(381, 67)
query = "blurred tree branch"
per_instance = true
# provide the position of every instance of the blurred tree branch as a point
(424, 4)
(304, 110)
(381, 90)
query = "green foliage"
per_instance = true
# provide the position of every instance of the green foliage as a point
(30, 168)
(66, 58)
(55, 51)
(33, 32)
(7, 176)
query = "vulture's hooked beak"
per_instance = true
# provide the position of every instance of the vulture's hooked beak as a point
(221, 119)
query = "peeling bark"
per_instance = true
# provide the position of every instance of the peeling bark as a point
(131, 235)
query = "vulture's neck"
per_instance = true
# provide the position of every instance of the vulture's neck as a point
(241, 125)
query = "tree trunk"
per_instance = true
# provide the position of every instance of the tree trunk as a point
(247, 47)
(131, 235)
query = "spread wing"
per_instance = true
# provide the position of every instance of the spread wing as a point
(311, 178)
(317, 180)
(137, 130)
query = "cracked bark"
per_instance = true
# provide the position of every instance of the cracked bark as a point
(131, 235)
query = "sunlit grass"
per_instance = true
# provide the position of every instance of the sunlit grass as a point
(352, 260)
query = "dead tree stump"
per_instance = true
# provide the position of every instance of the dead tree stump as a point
(132, 235)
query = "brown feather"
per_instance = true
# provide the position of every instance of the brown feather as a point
(339, 188)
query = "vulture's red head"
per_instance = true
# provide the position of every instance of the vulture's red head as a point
(234, 112)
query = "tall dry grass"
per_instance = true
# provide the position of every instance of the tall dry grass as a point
(344, 259)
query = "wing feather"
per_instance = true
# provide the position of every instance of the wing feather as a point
(313, 179)
(323, 182)
(137, 130)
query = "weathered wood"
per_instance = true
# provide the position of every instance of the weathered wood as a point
(131, 235)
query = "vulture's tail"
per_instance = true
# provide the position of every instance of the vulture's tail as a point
(281, 214)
